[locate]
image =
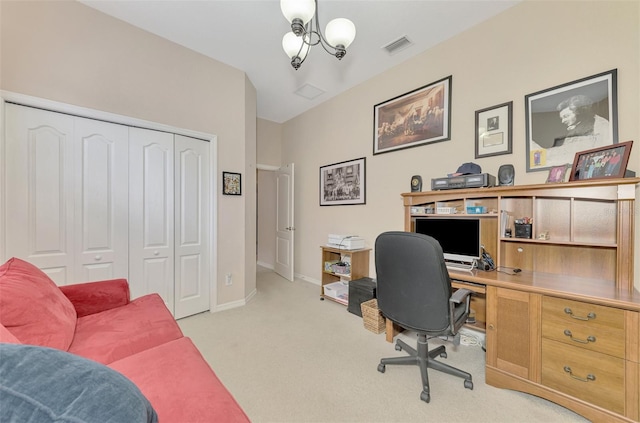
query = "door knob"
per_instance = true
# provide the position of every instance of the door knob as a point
(98, 257)
(155, 253)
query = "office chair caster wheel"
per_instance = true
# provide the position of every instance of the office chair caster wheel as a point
(443, 354)
(382, 368)
(424, 396)
(398, 347)
(468, 384)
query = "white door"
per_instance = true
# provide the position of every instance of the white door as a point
(284, 222)
(101, 200)
(151, 214)
(192, 226)
(39, 190)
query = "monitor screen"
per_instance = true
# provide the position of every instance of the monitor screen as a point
(459, 238)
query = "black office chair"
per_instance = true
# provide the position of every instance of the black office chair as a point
(414, 291)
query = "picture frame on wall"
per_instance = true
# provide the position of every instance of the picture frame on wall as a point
(568, 118)
(603, 162)
(343, 183)
(493, 130)
(231, 183)
(419, 117)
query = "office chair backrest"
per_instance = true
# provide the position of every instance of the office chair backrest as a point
(413, 285)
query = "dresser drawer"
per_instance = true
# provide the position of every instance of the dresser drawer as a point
(589, 326)
(594, 377)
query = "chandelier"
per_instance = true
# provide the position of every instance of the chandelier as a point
(338, 34)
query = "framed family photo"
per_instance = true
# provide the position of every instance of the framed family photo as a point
(603, 162)
(419, 117)
(568, 118)
(231, 183)
(343, 183)
(493, 130)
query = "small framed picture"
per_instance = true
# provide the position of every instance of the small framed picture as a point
(493, 130)
(556, 174)
(343, 183)
(231, 183)
(604, 162)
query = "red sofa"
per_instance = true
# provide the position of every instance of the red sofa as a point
(138, 338)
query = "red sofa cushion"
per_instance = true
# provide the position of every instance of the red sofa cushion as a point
(180, 385)
(33, 308)
(7, 337)
(122, 331)
(94, 297)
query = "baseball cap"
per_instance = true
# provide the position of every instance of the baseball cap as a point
(467, 169)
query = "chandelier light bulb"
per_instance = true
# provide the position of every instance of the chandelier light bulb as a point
(340, 32)
(298, 9)
(292, 44)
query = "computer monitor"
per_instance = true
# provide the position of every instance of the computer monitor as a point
(459, 237)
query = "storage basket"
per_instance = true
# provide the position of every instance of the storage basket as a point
(372, 317)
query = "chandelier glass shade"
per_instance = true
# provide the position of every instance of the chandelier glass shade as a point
(305, 31)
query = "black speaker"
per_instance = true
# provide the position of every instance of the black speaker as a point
(416, 183)
(506, 175)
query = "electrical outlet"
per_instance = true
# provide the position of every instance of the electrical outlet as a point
(228, 280)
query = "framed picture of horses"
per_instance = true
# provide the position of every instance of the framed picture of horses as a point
(421, 116)
(343, 183)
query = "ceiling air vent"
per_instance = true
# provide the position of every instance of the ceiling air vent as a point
(400, 44)
(309, 92)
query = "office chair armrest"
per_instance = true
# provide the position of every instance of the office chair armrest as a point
(460, 295)
(457, 298)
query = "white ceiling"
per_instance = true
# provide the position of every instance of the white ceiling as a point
(247, 35)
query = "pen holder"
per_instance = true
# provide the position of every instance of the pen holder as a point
(523, 230)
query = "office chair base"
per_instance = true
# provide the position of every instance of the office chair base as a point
(424, 359)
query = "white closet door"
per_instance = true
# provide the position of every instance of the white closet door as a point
(192, 226)
(102, 210)
(39, 190)
(151, 214)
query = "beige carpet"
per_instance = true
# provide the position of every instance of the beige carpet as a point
(289, 357)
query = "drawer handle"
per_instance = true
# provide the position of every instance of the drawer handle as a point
(589, 377)
(590, 338)
(590, 316)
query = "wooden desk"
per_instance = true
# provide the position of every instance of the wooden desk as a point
(574, 341)
(566, 328)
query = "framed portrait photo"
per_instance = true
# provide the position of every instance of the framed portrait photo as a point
(343, 183)
(493, 130)
(231, 183)
(572, 117)
(557, 173)
(603, 162)
(419, 117)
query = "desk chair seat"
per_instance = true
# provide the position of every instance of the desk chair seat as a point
(414, 291)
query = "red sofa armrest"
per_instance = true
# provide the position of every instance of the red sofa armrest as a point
(94, 297)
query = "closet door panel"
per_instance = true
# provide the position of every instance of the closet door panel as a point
(192, 226)
(39, 189)
(151, 214)
(101, 200)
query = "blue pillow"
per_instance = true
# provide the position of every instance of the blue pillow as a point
(39, 384)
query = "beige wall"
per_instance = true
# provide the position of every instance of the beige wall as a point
(269, 143)
(70, 53)
(533, 46)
